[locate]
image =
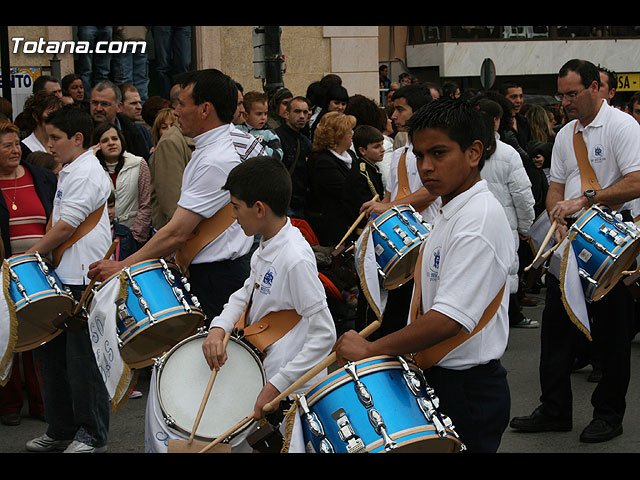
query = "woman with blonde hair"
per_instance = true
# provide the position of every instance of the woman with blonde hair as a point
(328, 167)
(164, 120)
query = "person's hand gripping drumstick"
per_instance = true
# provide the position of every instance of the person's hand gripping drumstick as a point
(544, 244)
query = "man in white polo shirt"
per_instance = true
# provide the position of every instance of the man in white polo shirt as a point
(612, 141)
(207, 103)
(460, 279)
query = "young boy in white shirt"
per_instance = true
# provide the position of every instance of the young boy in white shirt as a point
(77, 405)
(464, 266)
(284, 277)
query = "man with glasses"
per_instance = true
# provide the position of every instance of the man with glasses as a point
(612, 140)
(105, 105)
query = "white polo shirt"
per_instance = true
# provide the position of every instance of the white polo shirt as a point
(413, 177)
(465, 263)
(205, 174)
(284, 276)
(82, 188)
(613, 146)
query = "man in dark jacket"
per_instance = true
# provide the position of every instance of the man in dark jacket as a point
(296, 149)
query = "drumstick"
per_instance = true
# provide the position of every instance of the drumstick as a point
(544, 244)
(355, 224)
(207, 392)
(368, 330)
(93, 282)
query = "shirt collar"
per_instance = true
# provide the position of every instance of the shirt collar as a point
(211, 136)
(268, 250)
(599, 119)
(78, 162)
(459, 201)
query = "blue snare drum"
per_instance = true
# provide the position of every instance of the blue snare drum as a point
(158, 312)
(380, 404)
(397, 236)
(604, 246)
(39, 297)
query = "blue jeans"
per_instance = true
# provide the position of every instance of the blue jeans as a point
(76, 401)
(94, 68)
(132, 68)
(173, 54)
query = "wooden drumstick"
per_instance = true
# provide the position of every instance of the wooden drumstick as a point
(207, 392)
(355, 224)
(368, 330)
(87, 290)
(544, 244)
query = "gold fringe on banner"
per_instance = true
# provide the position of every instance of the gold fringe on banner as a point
(13, 325)
(563, 269)
(289, 419)
(129, 377)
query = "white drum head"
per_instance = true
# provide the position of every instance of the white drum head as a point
(183, 377)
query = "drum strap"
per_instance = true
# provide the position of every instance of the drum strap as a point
(205, 232)
(587, 175)
(269, 329)
(85, 227)
(432, 355)
(403, 179)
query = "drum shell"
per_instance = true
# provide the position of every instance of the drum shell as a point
(600, 266)
(148, 339)
(398, 266)
(405, 421)
(35, 317)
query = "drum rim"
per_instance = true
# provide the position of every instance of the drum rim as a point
(161, 316)
(341, 377)
(161, 362)
(412, 433)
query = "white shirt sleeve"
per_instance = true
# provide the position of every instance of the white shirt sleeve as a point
(202, 190)
(80, 199)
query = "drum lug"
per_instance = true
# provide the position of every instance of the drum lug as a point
(315, 426)
(377, 422)
(43, 266)
(19, 286)
(354, 444)
(403, 235)
(123, 314)
(170, 277)
(410, 377)
(431, 414)
(145, 308)
(361, 390)
(132, 283)
(180, 297)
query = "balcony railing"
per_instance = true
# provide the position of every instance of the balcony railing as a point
(447, 33)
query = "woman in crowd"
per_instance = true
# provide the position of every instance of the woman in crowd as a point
(73, 88)
(328, 167)
(25, 205)
(131, 180)
(164, 120)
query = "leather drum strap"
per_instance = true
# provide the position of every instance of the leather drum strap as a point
(432, 355)
(403, 179)
(587, 175)
(269, 329)
(205, 232)
(85, 227)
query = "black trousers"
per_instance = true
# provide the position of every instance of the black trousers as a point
(213, 283)
(612, 320)
(477, 400)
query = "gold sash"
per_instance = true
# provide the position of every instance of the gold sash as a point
(85, 227)
(205, 232)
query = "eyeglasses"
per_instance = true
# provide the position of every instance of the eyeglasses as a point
(97, 103)
(570, 97)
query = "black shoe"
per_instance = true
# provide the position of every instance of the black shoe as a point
(539, 422)
(600, 431)
(11, 419)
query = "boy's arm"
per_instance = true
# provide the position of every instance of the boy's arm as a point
(58, 234)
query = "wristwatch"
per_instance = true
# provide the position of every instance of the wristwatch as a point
(591, 196)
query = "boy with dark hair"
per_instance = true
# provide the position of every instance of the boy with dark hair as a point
(256, 110)
(459, 293)
(284, 281)
(77, 405)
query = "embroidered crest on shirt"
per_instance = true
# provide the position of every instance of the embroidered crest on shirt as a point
(434, 265)
(267, 281)
(598, 154)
